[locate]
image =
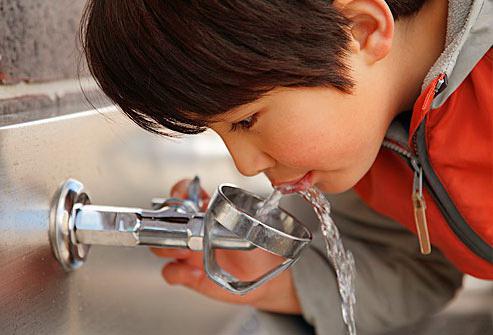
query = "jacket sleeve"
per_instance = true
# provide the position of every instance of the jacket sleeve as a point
(395, 284)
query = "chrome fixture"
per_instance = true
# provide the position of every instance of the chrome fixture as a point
(228, 223)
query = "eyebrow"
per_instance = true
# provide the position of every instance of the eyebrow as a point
(227, 117)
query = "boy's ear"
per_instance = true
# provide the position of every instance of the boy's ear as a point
(372, 26)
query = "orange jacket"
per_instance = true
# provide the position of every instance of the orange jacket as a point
(452, 146)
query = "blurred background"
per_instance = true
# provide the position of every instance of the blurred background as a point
(48, 133)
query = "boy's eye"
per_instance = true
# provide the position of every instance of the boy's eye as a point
(245, 123)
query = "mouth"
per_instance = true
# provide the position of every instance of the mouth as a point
(294, 185)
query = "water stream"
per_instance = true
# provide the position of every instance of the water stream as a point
(272, 202)
(342, 260)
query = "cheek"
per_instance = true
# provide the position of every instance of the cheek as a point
(302, 149)
(333, 149)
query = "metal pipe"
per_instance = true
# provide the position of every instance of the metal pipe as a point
(125, 226)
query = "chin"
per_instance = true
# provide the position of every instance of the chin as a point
(334, 188)
(338, 182)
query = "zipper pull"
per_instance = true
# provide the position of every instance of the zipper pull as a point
(419, 205)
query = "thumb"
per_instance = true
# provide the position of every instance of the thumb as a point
(179, 190)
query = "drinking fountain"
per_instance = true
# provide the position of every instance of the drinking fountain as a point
(229, 222)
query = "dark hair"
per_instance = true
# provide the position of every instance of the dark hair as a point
(175, 64)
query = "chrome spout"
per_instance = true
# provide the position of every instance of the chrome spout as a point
(130, 227)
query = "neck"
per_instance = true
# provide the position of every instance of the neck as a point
(418, 43)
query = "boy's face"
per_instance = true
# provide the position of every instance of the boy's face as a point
(334, 135)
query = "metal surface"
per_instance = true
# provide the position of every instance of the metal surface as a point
(118, 290)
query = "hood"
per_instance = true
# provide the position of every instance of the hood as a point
(469, 36)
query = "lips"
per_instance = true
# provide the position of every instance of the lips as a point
(294, 185)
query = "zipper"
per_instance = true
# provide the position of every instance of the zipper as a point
(418, 200)
(419, 205)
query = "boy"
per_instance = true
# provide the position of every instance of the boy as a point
(393, 98)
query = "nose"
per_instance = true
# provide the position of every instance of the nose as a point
(248, 157)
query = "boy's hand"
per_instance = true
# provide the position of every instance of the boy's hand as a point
(277, 295)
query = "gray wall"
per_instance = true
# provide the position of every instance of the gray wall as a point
(39, 60)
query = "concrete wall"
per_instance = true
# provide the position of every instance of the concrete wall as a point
(39, 60)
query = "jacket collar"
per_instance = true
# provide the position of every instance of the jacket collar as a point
(469, 36)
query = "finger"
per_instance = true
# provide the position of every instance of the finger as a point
(179, 190)
(172, 253)
(194, 258)
(182, 273)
